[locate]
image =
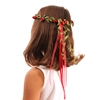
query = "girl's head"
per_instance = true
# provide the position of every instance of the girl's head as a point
(43, 37)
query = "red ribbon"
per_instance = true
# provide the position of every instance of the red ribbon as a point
(62, 56)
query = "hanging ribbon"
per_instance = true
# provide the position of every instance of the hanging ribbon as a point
(62, 55)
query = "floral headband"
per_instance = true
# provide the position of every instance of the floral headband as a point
(61, 38)
(52, 19)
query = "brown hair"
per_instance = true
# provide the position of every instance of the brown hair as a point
(43, 37)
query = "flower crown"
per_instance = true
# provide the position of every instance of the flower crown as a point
(63, 34)
(52, 19)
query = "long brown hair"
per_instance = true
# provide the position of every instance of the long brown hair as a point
(43, 37)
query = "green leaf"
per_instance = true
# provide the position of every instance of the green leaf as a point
(39, 16)
(65, 32)
(47, 20)
(68, 29)
(47, 17)
(59, 21)
(58, 27)
(44, 15)
(72, 50)
(52, 18)
(66, 37)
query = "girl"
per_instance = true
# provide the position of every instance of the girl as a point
(50, 51)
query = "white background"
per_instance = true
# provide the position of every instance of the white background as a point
(83, 81)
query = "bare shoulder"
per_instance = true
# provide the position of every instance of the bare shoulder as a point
(34, 73)
(33, 84)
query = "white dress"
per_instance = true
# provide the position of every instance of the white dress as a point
(52, 88)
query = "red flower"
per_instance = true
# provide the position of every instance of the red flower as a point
(55, 21)
(63, 22)
(72, 23)
(34, 17)
(42, 19)
(66, 22)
